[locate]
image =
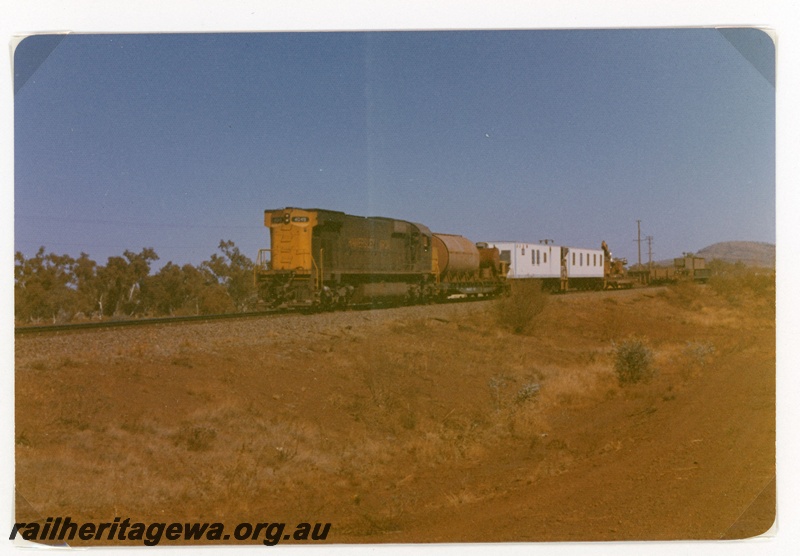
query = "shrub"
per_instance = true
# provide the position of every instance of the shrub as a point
(698, 353)
(695, 356)
(633, 361)
(734, 287)
(527, 392)
(685, 295)
(517, 311)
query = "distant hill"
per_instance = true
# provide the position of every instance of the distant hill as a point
(751, 253)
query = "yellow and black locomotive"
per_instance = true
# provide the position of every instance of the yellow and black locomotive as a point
(323, 258)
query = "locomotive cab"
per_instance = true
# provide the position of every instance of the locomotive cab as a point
(290, 239)
(287, 270)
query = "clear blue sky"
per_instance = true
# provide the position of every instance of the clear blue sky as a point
(178, 141)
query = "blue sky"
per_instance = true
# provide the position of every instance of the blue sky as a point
(176, 141)
(693, 171)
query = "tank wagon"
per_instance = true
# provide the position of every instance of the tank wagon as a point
(323, 258)
(560, 268)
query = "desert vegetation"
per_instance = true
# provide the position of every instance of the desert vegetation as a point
(517, 311)
(408, 424)
(59, 288)
(633, 361)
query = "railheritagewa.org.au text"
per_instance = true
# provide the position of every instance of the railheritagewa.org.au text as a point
(60, 530)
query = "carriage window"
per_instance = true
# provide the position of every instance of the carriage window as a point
(545, 257)
(573, 259)
(505, 256)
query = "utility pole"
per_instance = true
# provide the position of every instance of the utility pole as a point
(650, 253)
(639, 241)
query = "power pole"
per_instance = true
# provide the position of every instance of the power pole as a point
(639, 241)
(650, 253)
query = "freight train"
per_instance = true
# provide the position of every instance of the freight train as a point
(561, 268)
(326, 259)
(323, 258)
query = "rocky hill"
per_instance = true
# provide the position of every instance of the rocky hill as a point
(751, 253)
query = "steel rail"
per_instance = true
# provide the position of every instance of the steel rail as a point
(133, 322)
(75, 327)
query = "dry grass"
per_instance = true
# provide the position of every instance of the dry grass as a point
(358, 426)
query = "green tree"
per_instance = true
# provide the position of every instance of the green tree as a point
(44, 287)
(166, 291)
(234, 271)
(121, 282)
(206, 295)
(87, 284)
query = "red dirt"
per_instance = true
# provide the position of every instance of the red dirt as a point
(402, 426)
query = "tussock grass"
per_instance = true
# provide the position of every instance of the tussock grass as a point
(363, 426)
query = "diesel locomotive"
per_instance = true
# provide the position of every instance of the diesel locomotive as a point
(323, 258)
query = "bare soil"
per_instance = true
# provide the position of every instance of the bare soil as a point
(416, 424)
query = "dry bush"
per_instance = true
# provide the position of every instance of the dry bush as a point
(736, 288)
(698, 353)
(575, 386)
(685, 295)
(633, 361)
(517, 312)
(523, 405)
(728, 287)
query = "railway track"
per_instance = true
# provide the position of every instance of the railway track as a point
(27, 330)
(75, 327)
(44, 329)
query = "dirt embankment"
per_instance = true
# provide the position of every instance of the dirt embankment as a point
(415, 424)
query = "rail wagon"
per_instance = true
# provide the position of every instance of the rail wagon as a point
(328, 258)
(558, 267)
(683, 269)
